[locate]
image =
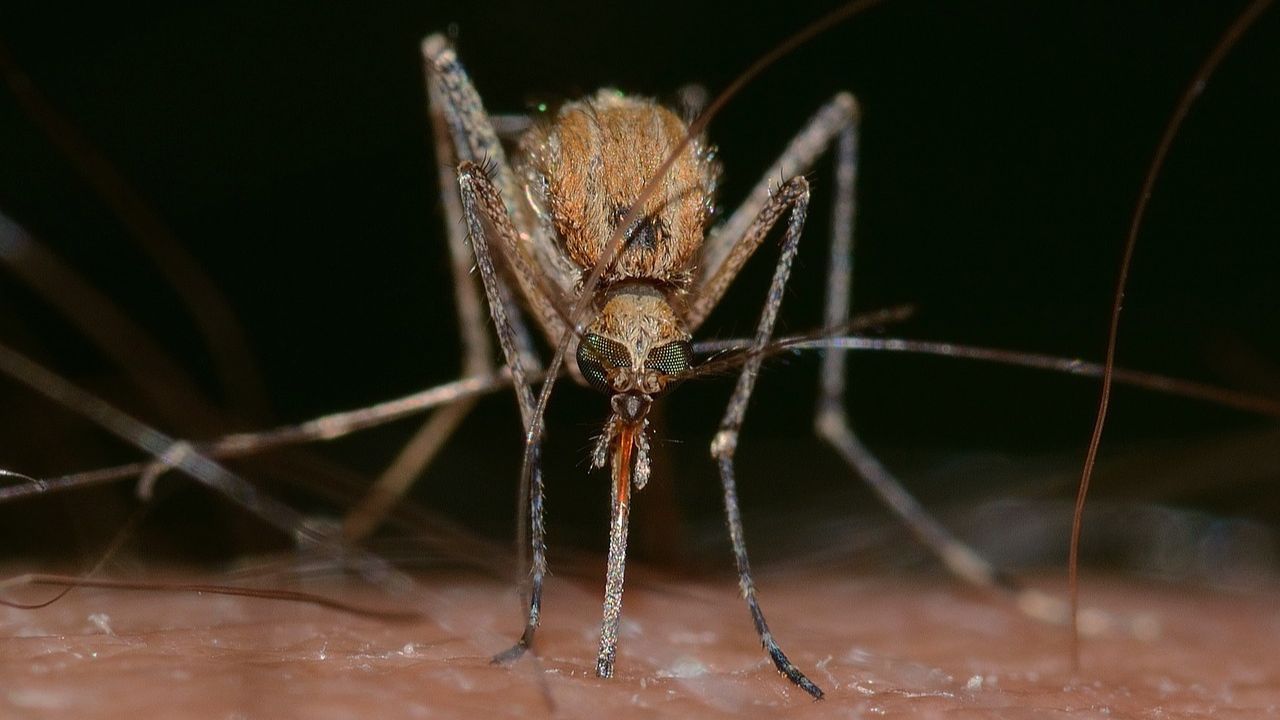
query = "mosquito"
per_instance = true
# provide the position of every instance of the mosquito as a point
(539, 227)
(610, 202)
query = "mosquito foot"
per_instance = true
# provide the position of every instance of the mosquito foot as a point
(511, 654)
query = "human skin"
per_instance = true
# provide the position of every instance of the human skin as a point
(879, 644)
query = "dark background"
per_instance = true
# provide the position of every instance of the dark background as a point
(1003, 147)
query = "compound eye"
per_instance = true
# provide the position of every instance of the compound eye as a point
(673, 358)
(597, 357)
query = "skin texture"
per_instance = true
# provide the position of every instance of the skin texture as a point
(897, 646)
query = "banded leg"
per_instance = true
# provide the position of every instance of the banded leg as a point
(477, 355)
(832, 420)
(475, 140)
(730, 245)
(464, 132)
(482, 207)
(729, 249)
(793, 196)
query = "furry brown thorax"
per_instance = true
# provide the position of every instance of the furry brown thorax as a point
(585, 168)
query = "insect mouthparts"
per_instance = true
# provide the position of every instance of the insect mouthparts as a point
(631, 407)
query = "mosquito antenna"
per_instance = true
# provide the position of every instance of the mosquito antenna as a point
(618, 238)
(731, 350)
(815, 339)
(1037, 361)
(734, 354)
(1189, 96)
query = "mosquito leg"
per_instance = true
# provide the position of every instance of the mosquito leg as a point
(482, 207)
(477, 354)
(463, 131)
(181, 456)
(793, 196)
(832, 420)
(730, 246)
(491, 203)
(476, 141)
(510, 126)
(728, 250)
(363, 519)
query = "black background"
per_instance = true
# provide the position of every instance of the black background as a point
(1003, 147)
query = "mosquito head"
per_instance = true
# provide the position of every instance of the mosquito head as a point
(634, 348)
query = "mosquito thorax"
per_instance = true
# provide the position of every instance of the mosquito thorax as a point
(583, 169)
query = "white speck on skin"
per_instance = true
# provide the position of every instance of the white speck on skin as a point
(1147, 627)
(858, 655)
(974, 684)
(685, 667)
(1094, 622)
(102, 621)
(463, 682)
(692, 638)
